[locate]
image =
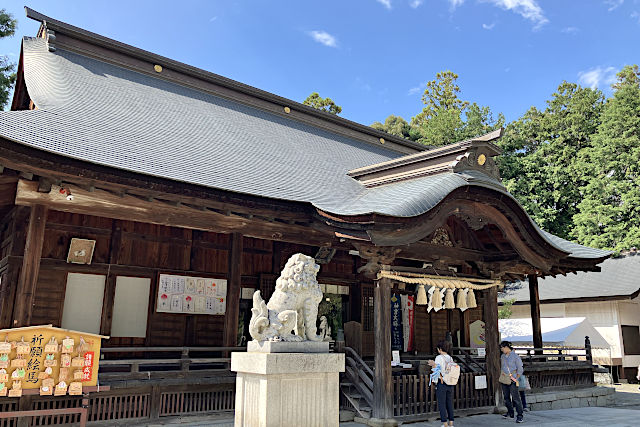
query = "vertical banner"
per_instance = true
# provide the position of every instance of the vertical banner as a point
(396, 323)
(405, 322)
(411, 313)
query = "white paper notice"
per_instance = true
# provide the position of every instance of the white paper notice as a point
(481, 382)
(191, 295)
(395, 356)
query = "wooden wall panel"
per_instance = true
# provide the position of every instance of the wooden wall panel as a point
(256, 256)
(422, 329)
(49, 297)
(439, 326)
(208, 330)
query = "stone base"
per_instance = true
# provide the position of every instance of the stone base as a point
(565, 399)
(288, 347)
(287, 389)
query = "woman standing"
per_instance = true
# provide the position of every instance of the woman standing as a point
(444, 392)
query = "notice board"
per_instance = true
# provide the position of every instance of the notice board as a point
(191, 295)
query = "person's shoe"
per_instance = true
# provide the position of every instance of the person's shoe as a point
(526, 409)
(519, 420)
(507, 416)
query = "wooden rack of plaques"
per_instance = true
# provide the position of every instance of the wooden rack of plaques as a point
(49, 361)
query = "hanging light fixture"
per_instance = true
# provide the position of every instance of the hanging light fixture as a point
(422, 295)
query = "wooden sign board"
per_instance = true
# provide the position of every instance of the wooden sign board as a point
(191, 295)
(37, 337)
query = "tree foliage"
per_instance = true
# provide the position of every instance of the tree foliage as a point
(540, 164)
(325, 104)
(608, 216)
(7, 69)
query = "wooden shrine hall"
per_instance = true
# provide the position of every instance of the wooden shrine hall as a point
(130, 183)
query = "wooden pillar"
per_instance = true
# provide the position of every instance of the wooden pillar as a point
(26, 288)
(233, 291)
(382, 382)
(534, 302)
(492, 338)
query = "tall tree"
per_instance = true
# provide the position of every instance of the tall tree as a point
(609, 214)
(446, 118)
(7, 69)
(325, 104)
(540, 164)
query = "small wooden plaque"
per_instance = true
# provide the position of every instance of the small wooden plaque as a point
(81, 251)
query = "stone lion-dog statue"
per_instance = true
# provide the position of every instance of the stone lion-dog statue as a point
(292, 311)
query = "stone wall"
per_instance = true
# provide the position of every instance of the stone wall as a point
(580, 398)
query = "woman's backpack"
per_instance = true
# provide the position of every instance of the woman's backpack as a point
(451, 372)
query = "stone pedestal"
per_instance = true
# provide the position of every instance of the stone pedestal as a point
(287, 389)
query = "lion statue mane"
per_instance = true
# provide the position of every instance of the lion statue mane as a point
(292, 311)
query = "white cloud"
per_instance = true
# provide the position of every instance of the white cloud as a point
(455, 3)
(613, 4)
(528, 9)
(418, 89)
(324, 38)
(597, 76)
(489, 26)
(385, 3)
(416, 3)
(213, 19)
(635, 15)
(570, 30)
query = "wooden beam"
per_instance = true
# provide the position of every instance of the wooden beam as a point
(490, 311)
(382, 381)
(534, 301)
(26, 288)
(233, 291)
(105, 204)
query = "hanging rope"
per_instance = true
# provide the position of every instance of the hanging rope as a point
(438, 281)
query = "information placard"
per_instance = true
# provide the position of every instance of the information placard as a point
(191, 295)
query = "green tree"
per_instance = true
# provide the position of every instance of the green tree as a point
(609, 214)
(7, 69)
(325, 104)
(505, 311)
(446, 118)
(394, 125)
(541, 165)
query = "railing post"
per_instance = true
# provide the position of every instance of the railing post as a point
(154, 410)
(587, 348)
(184, 363)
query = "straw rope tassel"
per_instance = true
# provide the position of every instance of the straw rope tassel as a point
(471, 299)
(422, 295)
(449, 301)
(462, 299)
(436, 299)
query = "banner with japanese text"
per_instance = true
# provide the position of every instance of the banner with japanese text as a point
(396, 323)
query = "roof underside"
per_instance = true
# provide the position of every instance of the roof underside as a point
(104, 114)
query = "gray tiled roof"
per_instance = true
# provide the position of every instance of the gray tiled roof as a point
(618, 277)
(108, 115)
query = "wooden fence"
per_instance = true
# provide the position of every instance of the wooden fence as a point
(413, 396)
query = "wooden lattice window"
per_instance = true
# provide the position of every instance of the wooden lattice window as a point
(367, 308)
(267, 285)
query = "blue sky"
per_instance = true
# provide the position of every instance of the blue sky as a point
(373, 57)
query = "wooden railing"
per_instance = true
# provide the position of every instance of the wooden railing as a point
(413, 396)
(358, 387)
(132, 364)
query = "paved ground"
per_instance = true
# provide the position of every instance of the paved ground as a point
(624, 414)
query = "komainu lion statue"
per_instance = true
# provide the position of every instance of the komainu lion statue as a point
(292, 311)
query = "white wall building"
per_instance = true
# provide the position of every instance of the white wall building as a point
(609, 300)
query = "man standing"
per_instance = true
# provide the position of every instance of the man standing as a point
(511, 365)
